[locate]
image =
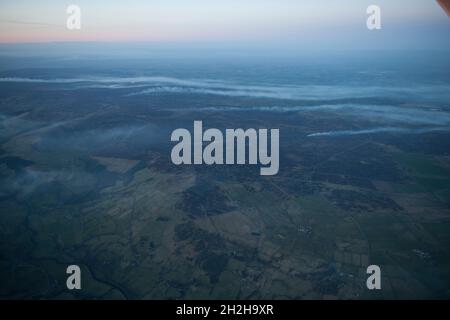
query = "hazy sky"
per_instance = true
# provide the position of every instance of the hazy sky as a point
(311, 23)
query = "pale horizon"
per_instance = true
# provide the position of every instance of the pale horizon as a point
(307, 24)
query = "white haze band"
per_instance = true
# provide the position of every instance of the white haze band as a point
(235, 140)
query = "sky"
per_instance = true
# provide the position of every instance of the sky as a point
(293, 23)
